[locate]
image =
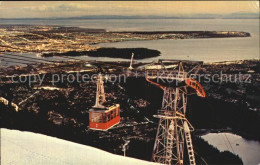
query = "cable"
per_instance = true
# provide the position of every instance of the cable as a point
(229, 143)
(225, 142)
(201, 157)
(21, 102)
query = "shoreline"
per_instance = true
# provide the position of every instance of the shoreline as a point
(64, 40)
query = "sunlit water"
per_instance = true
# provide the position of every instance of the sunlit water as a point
(207, 50)
(247, 150)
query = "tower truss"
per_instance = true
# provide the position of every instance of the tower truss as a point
(100, 93)
(173, 130)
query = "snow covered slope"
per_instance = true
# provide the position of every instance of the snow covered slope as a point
(28, 148)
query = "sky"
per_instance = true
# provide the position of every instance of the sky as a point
(46, 9)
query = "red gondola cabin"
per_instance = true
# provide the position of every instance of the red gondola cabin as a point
(105, 118)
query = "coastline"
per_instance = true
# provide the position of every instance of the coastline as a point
(73, 41)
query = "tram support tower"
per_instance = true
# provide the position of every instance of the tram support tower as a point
(100, 93)
(173, 128)
(103, 115)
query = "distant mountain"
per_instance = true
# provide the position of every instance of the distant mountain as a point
(221, 16)
(243, 15)
(102, 17)
(194, 16)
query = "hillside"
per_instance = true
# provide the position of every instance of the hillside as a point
(19, 147)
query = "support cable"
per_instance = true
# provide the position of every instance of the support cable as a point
(229, 143)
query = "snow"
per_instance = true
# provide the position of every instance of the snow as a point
(19, 147)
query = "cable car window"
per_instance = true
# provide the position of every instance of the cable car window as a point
(108, 116)
(114, 112)
(111, 115)
(95, 117)
(104, 118)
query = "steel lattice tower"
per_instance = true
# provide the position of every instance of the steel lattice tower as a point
(169, 143)
(173, 127)
(100, 93)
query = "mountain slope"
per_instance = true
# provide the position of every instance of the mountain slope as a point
(30, 148)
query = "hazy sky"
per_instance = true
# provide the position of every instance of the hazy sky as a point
(169, 8)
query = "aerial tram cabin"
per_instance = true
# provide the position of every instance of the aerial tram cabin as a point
(103, 115)
(103, 119)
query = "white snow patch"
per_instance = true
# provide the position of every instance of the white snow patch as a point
(19, 147)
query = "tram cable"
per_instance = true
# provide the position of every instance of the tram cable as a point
(201, 158)
(229, 143)
(225, 142)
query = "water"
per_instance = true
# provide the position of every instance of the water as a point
(250, 25)
(247, 150)
(208, 50)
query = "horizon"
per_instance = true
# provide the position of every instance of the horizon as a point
(195, 16)
(181, 9)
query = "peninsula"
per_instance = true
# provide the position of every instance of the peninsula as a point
(75, 41)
